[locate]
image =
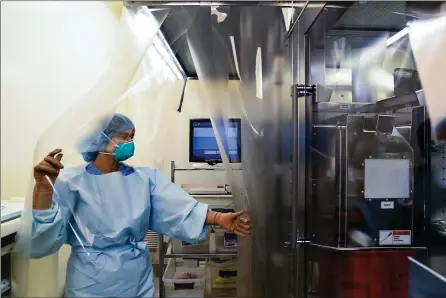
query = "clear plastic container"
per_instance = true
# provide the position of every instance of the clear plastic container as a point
(173, 277)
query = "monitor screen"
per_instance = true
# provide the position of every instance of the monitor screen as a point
(203, 143)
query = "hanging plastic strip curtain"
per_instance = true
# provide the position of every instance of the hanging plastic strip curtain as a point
(78, 132)
(240, 57)
(431, 66)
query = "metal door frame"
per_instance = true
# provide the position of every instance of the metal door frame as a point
(311, 25)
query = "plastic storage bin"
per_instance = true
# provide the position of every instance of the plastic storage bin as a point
(181, 247)
(176, 286)
(177, 268)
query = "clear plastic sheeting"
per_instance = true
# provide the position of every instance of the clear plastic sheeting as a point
(229, 48)
(431, 66)
(360, 68)
(239, 54)
(80, 130)
(134, 36)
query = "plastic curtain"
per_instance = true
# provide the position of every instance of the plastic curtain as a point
(360, 67)
(249, 43)
(368, 61)
(80, 129)
(132, 85)
(220, 43)
(430, 67)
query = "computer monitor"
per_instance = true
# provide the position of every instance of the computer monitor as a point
(203, 145)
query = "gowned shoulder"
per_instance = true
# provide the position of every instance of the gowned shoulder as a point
(148, 172)
(68, 174)
(156, 177)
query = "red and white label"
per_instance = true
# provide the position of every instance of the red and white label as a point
(395, 237)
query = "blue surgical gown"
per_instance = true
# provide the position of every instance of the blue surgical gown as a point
(104, 218)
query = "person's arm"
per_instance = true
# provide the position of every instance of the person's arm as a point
(42, 196)
(231, 222)
(52, 205)
(50, 226)
(176, 214)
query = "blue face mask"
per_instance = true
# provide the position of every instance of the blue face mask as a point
(124, 151)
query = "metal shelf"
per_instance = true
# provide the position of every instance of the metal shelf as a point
(7, 249)
(168, 254)
(200, 256)
(199, 169)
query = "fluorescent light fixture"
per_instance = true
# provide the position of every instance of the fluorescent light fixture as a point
(397, 36)
(162, 46)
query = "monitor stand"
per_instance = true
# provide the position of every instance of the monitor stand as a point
(234, 166)
(213, 162)
(207, 165)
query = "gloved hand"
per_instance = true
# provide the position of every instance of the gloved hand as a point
(50, 166)
(232, 222)
(45, 174)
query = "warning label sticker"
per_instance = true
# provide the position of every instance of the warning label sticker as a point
(396, 237)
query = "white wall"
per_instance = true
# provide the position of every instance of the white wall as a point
(52, 53)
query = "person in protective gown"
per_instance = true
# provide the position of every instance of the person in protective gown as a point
(104, 209)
